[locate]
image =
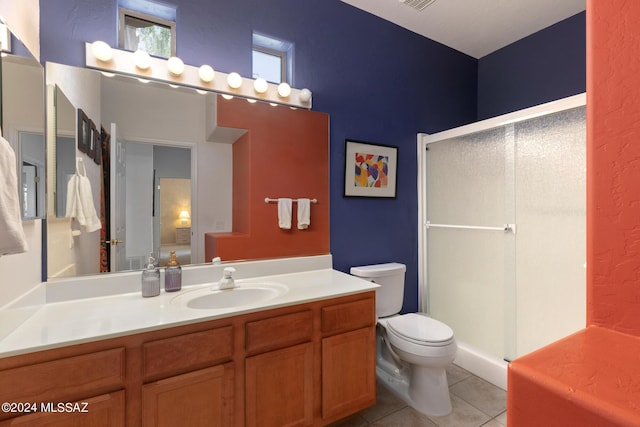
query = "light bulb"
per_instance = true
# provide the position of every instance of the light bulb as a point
(234, 80)
(142, 59)
(206, 73)
(260, 85)
(305, 96)
(251, 101)
(101, 51)
(175, 65)
(225, 96)
(284, 90)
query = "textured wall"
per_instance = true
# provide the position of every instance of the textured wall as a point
(613, 164)
(284, 153)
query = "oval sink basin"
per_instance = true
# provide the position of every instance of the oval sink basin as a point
(241, 295)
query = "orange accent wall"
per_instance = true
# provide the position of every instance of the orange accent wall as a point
(590, 379)
(284, 153)
(613, 164)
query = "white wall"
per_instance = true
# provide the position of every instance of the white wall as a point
(23, 18)
(82, 88)
(139, 200)
(22, 83)
(22, 272)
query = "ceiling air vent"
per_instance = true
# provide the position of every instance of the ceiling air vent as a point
(418, 4)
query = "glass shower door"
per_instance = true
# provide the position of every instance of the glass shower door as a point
(506, 233)
(469, 184)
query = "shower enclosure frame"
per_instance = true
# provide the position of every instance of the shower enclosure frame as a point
(481, 364)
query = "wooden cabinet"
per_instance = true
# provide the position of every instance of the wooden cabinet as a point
(197, 397)
(279, 388)
(102, 411)
(279, 382)
(348, 373)
(72, 382)
(303, 365)
(202, 398)
(348, 358)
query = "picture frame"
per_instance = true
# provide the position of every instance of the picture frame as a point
(370, 170)
(84, 132)
(96, 138)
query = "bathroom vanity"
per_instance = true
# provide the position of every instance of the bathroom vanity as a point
(306, 357)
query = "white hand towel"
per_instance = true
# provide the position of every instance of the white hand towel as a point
(284, 213)
(80, 200)
(92, 222)
(12, 237)
(304, 214)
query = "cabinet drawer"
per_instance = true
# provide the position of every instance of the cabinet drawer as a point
(63, 379)
(278, 332)
(348, 316)
(187, 352)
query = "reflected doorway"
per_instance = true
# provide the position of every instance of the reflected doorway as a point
(174, 226)
(157, 190)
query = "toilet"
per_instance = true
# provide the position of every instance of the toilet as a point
(413, 350)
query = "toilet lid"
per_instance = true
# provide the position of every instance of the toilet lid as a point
(420, 329)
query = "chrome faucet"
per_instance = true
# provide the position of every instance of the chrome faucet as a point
(227, 280)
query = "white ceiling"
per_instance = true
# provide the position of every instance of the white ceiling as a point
(474, 27)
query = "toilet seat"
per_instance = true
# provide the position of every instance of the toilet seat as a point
(420, 329)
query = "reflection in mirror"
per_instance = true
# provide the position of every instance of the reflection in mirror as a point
(23, 127)
(154, 138)
(170, 178)
(65, 149)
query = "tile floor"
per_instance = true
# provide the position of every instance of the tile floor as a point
(475, 403)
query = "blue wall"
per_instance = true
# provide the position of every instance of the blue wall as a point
(545, 66)
(379, 83)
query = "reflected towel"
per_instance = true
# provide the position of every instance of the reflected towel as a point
(12, 237)
(80, 200)
(284, 213)
(304, 214)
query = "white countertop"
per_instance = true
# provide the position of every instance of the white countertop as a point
(75, 321)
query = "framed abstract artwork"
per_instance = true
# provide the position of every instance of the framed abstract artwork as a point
(370, 170)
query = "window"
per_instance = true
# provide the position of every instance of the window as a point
(272, 59)
(154, 35)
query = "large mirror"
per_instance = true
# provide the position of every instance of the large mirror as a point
(161, 173)
(150, 149)
(23, 125)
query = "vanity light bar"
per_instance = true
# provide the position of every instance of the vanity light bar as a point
(123, 62)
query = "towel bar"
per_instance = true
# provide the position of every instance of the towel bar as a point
(269, 200)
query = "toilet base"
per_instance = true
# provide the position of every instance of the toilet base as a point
(424, 389)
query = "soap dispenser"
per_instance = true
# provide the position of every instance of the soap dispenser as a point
(173, 274)
(151, 279)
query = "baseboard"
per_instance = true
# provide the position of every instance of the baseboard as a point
(483, 365)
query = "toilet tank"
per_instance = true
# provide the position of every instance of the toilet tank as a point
(390, 277)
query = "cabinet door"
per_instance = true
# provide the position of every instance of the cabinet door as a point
(101, 411)
(279, 387)
(348, 372)
(201, 398)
